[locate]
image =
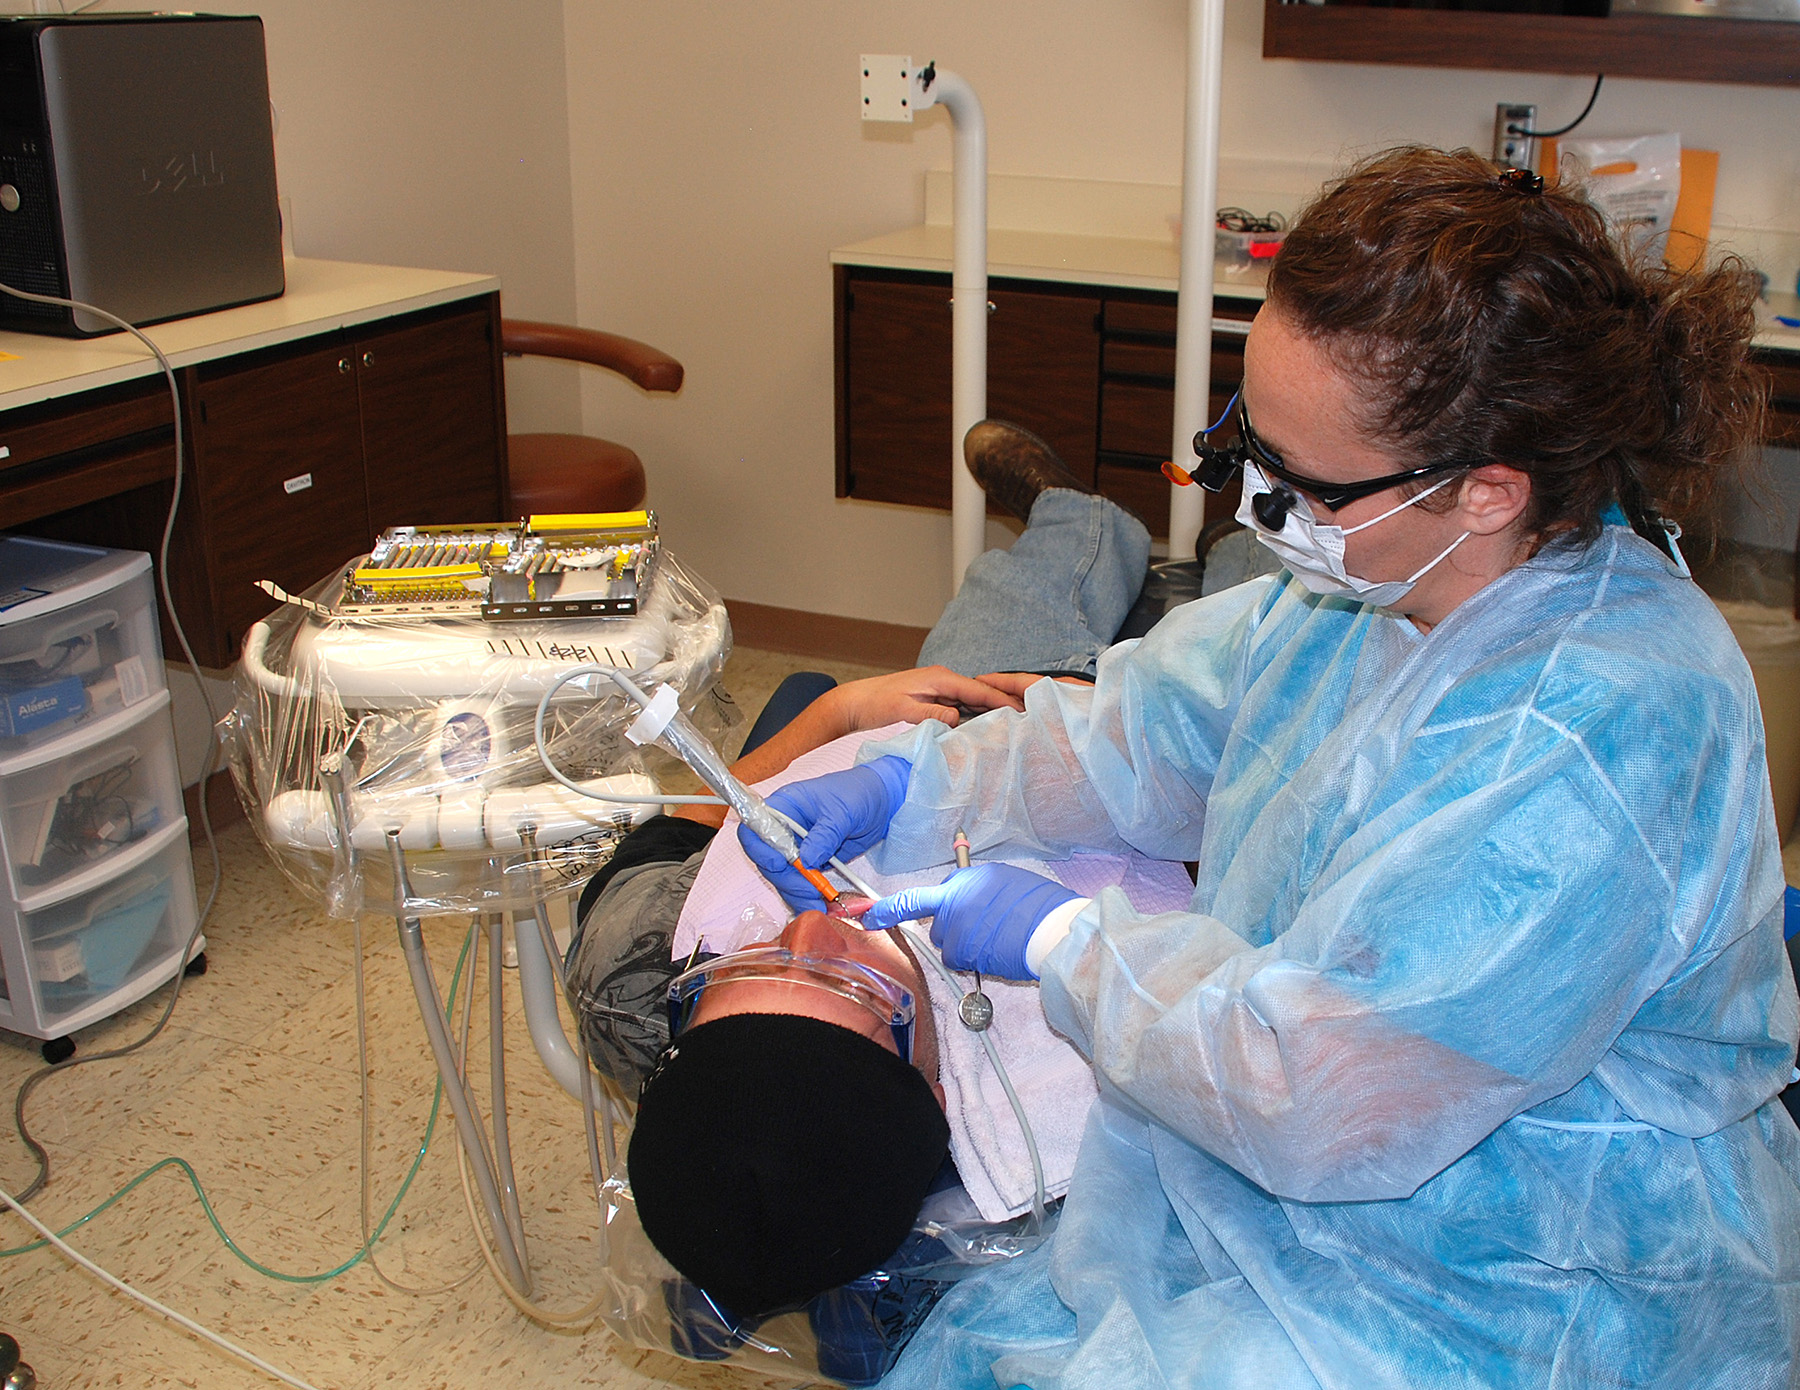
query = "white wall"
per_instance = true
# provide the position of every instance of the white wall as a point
(717, 157)
(435, 133)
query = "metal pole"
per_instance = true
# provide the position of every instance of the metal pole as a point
(969, 313)
(1193, 322)
(462, 1104)
(509, 1187)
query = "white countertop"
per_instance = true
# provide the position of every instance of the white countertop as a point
(1130, 263)
(321, 296)
(1137, 264)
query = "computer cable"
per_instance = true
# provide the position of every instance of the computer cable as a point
(70, 1252)
(1561, 129)
(31, 1083)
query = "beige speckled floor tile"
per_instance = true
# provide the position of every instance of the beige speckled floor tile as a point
(192, 1366)
(324, 1031)
(70, 1107)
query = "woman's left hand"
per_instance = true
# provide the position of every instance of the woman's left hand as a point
(931, 692)
(982, 917)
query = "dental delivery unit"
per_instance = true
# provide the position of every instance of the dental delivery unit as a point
(399, 693)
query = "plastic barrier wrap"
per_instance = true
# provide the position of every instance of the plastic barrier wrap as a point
(429, 723)
(852, 1334)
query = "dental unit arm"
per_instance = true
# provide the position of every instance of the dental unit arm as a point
(663, 723)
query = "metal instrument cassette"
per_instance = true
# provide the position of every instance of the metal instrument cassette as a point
(580, 565)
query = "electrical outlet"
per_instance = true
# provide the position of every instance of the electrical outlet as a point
(1515, 151)
(887, 87)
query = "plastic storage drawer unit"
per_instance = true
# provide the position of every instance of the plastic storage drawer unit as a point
(97, 899)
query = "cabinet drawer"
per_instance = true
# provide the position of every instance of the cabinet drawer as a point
(1157, 316)
(1140, 316)
(77, 953)
(1783, 424)
(69, 814)
(1120, 358)
(40, 432)
(1136, 419)
(1140, 419)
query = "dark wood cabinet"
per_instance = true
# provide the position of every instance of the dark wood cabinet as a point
(894, 379)
(1091, 370)
(428, 454)
(1765, 52)
(298, 456)
(277, 489)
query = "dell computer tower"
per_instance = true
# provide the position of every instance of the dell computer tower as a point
(137, 168)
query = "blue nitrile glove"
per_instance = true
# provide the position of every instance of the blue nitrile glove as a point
(843, 812)
(982, 917)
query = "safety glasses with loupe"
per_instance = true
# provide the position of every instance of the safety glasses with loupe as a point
(1218, 466)
(888, 1000)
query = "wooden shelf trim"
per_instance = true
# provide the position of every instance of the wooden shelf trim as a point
(1759, 52)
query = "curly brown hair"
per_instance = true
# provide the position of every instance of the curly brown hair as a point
(1495, 323)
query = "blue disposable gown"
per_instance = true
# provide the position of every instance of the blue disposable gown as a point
(1459, 1071)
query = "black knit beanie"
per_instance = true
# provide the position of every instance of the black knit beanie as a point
(776, 1156)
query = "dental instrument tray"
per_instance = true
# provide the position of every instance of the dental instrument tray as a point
(583, 565)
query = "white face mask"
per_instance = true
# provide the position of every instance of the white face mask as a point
(1314, 550)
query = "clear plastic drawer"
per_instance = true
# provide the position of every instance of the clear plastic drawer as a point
(76, 643)
(94, 945)
(65, 813)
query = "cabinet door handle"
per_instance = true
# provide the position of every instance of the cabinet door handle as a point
(343, 364)
(368, 359)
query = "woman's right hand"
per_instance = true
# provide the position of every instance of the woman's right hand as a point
(842, 814)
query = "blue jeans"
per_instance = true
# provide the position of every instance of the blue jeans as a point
(1052, 602)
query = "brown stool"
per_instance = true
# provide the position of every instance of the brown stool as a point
(577, 472)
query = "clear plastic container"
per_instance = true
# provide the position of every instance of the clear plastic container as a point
(95, 952)
(78, 637)
(63, 811)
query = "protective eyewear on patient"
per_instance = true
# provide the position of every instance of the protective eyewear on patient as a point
(891, 1002)
(1219, 465)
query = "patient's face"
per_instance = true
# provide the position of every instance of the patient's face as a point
(815, 934)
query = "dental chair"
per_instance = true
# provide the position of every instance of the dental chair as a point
(577, 472)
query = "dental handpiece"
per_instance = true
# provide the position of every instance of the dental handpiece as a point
(686, 742)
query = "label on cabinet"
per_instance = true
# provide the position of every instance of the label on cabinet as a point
(297, 484)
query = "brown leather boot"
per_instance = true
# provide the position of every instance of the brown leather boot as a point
(1013, 465)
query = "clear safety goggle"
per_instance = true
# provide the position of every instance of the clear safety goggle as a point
(887, 999)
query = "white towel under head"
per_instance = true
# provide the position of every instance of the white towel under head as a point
(731, 905)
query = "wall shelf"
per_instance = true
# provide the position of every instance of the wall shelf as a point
(1761, 52)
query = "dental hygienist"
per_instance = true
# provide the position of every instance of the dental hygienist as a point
(1459, 1071)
